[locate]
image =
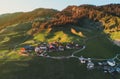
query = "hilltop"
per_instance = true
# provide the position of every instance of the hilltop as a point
(22, 17)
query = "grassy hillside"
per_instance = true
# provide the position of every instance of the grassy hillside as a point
(21, 17)
(115, 35)
(83, 30)
(13, 35)
(14, 66)
(97, 17)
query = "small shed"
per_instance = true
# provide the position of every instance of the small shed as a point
(111, 62)
(90, 65)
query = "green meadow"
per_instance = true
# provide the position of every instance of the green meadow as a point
(14, 66)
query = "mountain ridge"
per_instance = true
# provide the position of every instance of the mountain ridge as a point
(73, 22)
(74, 15)
(18, 17)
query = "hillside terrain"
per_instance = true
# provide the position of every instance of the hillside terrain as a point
(103, 18)
(92, 26)
(21, 17)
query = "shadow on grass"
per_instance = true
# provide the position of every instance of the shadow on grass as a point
(66, 30)
(17, 34)
(15, 40)
(42, 68)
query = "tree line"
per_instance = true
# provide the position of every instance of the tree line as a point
(108, 15)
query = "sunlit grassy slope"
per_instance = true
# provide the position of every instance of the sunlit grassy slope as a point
(115, 35)
(70, 34)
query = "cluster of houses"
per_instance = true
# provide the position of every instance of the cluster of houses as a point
(108, 66)
(90, 64)
(50, 47)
